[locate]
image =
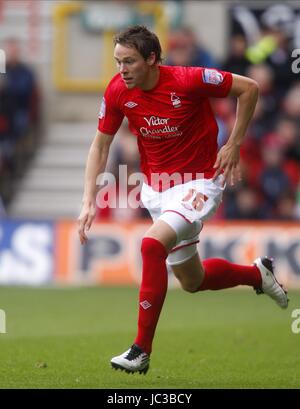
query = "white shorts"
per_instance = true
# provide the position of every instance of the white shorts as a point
(181, 215)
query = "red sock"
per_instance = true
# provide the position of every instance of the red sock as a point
(220, 273)
(152, 292)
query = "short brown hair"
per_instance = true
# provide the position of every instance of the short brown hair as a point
(142, 39)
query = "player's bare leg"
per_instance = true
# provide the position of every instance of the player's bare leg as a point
(190, 274)
(162, 232)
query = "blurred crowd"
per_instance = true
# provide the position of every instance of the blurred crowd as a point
(270, 156)
(19, 120)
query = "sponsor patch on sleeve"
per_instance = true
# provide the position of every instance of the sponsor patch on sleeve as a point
(102, 109)
(211, 76)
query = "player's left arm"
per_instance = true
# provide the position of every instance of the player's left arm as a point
(246, 91)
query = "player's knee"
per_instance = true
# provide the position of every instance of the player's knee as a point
(190, 287)
(151, 247)
(147, 246)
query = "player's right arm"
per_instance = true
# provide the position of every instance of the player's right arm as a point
(96, 164)
(110, 119)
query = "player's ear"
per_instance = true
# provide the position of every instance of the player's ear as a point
(151, 60)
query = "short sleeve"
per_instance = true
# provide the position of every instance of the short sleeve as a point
(209, 82)
(110, 116)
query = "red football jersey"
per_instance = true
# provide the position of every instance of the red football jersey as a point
(174, 123)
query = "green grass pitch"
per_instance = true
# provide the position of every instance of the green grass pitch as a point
(64, 338)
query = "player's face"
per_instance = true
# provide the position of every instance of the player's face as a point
(132, 66)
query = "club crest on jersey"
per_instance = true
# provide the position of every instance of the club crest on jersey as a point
(102, 109)
(212, 76)
(130, 104)
(175, 100)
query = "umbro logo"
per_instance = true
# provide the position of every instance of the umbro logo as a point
(145, 304)
(130, 104)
